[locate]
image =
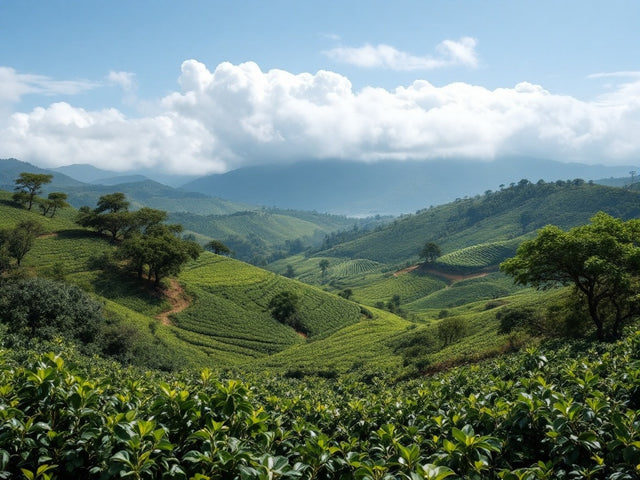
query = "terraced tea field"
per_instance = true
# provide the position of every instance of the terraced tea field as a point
(478, 257)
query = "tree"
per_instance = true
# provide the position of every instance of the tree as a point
(601, 260)
(324, 264)
(111, 215)
(430, 252)
(451, 329)
(16, 243)
(284, 307)
(28, 185)
(290, 272)
(218, 247)
(160, 250)
(53, 202)
(112, 203)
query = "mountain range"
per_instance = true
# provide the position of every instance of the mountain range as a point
(337, 187)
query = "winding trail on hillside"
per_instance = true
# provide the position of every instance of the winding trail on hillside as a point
(178, 299)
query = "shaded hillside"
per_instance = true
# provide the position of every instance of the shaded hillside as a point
(496, 216)
(259, 236)
(384, 187)
(225, 319)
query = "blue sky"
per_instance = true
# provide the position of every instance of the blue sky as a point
(208, 86)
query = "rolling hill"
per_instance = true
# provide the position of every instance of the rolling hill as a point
(225, 319)
(384, 187)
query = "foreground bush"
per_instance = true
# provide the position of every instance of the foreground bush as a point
(565, 414)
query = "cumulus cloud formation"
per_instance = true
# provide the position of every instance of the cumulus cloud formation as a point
(238, 115)
(449, 53)
(14, 85)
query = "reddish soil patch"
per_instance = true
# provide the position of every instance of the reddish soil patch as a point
(455, 277)
(178, 300)
(452, 277)
(48, 235)
(405, 270)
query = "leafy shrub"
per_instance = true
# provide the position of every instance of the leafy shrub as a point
(42, 308)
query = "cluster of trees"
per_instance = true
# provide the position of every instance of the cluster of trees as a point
(29, 185)
(147, 243)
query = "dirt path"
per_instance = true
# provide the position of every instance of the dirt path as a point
(449, 276)
(178, 300)
(405, 270)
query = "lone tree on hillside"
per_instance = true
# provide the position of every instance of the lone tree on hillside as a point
(285, 308)
(28, 185)
(324, 264)
(16, 243)
(600, 260)
(218, 247)
(430, 252)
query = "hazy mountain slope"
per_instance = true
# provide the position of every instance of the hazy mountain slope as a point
(140, 193)
(155, 195)
(10, 169)
(89, 174)
(384, 187)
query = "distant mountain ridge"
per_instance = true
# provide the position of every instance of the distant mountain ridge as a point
(388, 187)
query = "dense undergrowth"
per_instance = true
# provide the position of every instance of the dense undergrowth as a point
(569, 412)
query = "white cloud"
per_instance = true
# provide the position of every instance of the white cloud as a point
(450, 53)
(238, 115)
(627, 73)
(14, 85)
(125, 80)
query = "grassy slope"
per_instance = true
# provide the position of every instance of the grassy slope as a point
(499, 216)
(273, 228)
(227, 323)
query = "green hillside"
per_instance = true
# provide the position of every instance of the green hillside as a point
(226, 320)
(496, 216)
(257, 235)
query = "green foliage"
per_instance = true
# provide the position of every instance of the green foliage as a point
(600, 260)
(45, 309)
(218, 247)
(563, 414)
(430, 252)
(451, 329)
(28, 185)
(284, 307)
(52, 203)
(16, 243)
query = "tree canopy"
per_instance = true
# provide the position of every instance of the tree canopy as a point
(601, 260)
(430, 252)
(16, 243)
(28, 185)
(217, 247)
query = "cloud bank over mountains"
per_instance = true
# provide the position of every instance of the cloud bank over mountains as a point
(239, 115)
